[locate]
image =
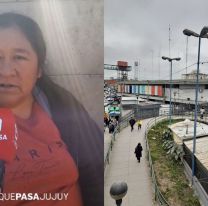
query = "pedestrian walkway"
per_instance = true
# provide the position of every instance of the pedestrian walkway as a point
(124, 167)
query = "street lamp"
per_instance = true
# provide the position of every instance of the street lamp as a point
(170, 60)
(137, 106)
(174, 105)
(203, 34)
(118, 191)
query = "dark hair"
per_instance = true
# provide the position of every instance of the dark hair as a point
(30, 29)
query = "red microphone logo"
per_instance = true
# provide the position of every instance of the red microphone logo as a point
(8, 135)
(2, 136)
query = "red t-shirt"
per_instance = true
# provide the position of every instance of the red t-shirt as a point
(42, 164)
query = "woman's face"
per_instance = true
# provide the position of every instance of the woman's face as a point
(18, 67)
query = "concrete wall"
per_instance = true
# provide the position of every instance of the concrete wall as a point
(187, 92)
(73, 30)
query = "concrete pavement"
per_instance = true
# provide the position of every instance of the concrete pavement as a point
(124, 167)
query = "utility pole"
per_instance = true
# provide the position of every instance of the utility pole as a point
(152, 62)
(136, 68)
(159, 63)
(169, 39)
(186, 52)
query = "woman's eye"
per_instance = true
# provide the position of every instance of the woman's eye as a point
(20, 57)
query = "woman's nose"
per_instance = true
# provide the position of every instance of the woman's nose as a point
(7, 68)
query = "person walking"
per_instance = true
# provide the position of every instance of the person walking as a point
(138, 151)
(106, 119)
(115, 122)
(132, 122)
(202, 112)
(139, 123)
(111, 128)
(109, 121)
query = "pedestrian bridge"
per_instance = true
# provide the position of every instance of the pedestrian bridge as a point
(123, 165)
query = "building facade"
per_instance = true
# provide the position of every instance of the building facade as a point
(183, 91)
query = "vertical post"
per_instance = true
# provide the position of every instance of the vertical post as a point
(152, 64)
(137, 108)
(155, 119)
(186, 52)
(170, 106)
(148, 90)
(159, 63)
(169, 39)
(195, 112)
(118, 202)
(139, 71)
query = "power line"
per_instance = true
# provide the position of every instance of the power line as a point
(180, 70)
(185, 68)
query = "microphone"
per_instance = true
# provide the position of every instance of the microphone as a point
(8, 140)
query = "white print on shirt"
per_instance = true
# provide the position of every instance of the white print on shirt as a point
(0, 124)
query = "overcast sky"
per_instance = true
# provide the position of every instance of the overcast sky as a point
(138, 30)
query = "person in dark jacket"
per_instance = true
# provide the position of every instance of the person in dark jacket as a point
(76, 145)
(138, 151)
(111, 128)
(132, 122)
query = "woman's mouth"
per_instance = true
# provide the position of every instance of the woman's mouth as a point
(7, 87)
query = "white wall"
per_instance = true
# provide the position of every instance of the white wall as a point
(187, 92)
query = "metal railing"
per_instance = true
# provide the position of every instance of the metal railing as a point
(121, 125)
(159, 198)
(124, 122)
(158, 195)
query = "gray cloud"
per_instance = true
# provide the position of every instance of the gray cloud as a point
(139, 29)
